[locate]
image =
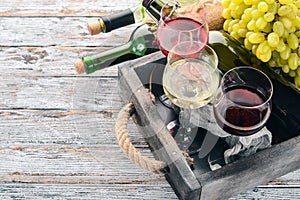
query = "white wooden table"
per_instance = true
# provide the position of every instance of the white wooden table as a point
(57, 128)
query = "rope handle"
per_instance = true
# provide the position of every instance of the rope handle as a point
(130, 151)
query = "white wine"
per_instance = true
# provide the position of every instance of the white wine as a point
(190, 83)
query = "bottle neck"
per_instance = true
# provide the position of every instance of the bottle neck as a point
(153, 8)
(105, 58)
(123, 18)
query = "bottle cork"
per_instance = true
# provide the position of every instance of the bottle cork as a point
(96, 27)
(80, 67)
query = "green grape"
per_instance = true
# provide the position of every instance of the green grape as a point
(273, 8)
(248, 12)
(264, 51)
(226, 13)
(240, 8)
(263, 47)
(273, 39)
(285, 33)
(282, 62)
(297, 80)
(254, 49)
(287, 23)
(226, 25)
(297, 3)
(256, 14)
(292, 41)
(293, 61)
(296, 22)
(286, 1)
(261, 23)
(275, 54)
(234, 14)
(232, 5)
(268, 28)
(269, 17)
(284, 10)
(262, 6)
(266, 57)
(225, 3)
(292, 29)
(297, 33)
(285, 69)
(251, 25)
(285, 54)
(272, 63)
(242, 32)
(242, 24)
(237, 1)
(278, 28)
(234, 35)
(281, 46)
(248, 2)
(247, 44)
(256, 38)
(292, 73)
(235, 27)
(270, 1)
(233, 22)
(298, 71)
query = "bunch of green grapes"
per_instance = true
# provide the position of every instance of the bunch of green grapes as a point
(268, 28)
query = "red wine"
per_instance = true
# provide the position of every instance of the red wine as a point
(246, 119)
(180, 29)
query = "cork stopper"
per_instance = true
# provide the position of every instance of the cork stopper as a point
(96, 27)
(80, 67)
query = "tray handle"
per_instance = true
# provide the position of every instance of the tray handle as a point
(130, 151)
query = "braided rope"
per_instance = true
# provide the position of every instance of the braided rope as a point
(131, 152)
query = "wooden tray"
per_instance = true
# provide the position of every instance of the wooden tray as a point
(200, 182)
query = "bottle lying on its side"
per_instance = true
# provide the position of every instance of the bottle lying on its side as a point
(141, 42)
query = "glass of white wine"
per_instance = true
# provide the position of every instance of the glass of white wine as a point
(190, 80)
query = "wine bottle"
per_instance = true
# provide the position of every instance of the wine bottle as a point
(285, 118)
(141, 42)
(126, 17)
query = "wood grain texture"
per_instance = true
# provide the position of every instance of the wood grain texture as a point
(63, 8)
(57, 128)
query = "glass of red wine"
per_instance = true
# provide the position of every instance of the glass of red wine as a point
(174, 28)
(243, 103)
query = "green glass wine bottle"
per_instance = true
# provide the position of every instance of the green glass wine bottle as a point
(141, 42)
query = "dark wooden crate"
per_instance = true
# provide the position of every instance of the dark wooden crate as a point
(200, 182)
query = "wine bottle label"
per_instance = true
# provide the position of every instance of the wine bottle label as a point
(118, 20)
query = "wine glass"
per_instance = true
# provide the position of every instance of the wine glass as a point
(174, 28)
(190, 80)
(243, 104)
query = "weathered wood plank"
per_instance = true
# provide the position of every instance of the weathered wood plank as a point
(121, 192)
(66, 93)
(63, 8)
(86, 191)
(57, 127)
(56, 31)
(55, 61)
